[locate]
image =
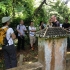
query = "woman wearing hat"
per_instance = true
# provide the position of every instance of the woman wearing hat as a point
(9, 50)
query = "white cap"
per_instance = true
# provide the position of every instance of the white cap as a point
(5, 19)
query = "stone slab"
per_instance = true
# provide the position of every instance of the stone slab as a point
(32, 66)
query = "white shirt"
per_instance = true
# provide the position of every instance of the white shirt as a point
(31, 33)
(8, 35)
(21, 28)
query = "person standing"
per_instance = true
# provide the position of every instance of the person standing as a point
(66, 26)
(21, 34)
(41, 26)
(50, 23)
(9, 49)
(55, 22)
(32, 31)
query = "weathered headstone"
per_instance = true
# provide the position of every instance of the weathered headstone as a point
(20, 60)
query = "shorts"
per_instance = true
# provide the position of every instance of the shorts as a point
(32, 40)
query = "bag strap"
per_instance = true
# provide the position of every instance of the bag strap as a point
(19, 26)
(10, 34)
(9, 38)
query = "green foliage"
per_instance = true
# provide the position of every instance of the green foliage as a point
(60, 10)
(15, 22)
(24, 9)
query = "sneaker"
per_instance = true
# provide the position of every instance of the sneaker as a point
(32, 48)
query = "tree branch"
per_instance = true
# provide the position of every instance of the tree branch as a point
(40, 6)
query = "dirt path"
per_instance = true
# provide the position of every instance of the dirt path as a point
(30, 56)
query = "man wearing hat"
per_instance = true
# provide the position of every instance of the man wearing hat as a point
(9, 50)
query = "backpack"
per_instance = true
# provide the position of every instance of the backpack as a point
(16, 32)
(3, 40)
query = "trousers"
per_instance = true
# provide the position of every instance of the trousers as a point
(21, 42)
(9, 56)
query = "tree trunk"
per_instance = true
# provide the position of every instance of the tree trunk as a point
(13, 11)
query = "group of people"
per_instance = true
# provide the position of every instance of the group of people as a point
(9, 51)
(21, 29)
(53, 22)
